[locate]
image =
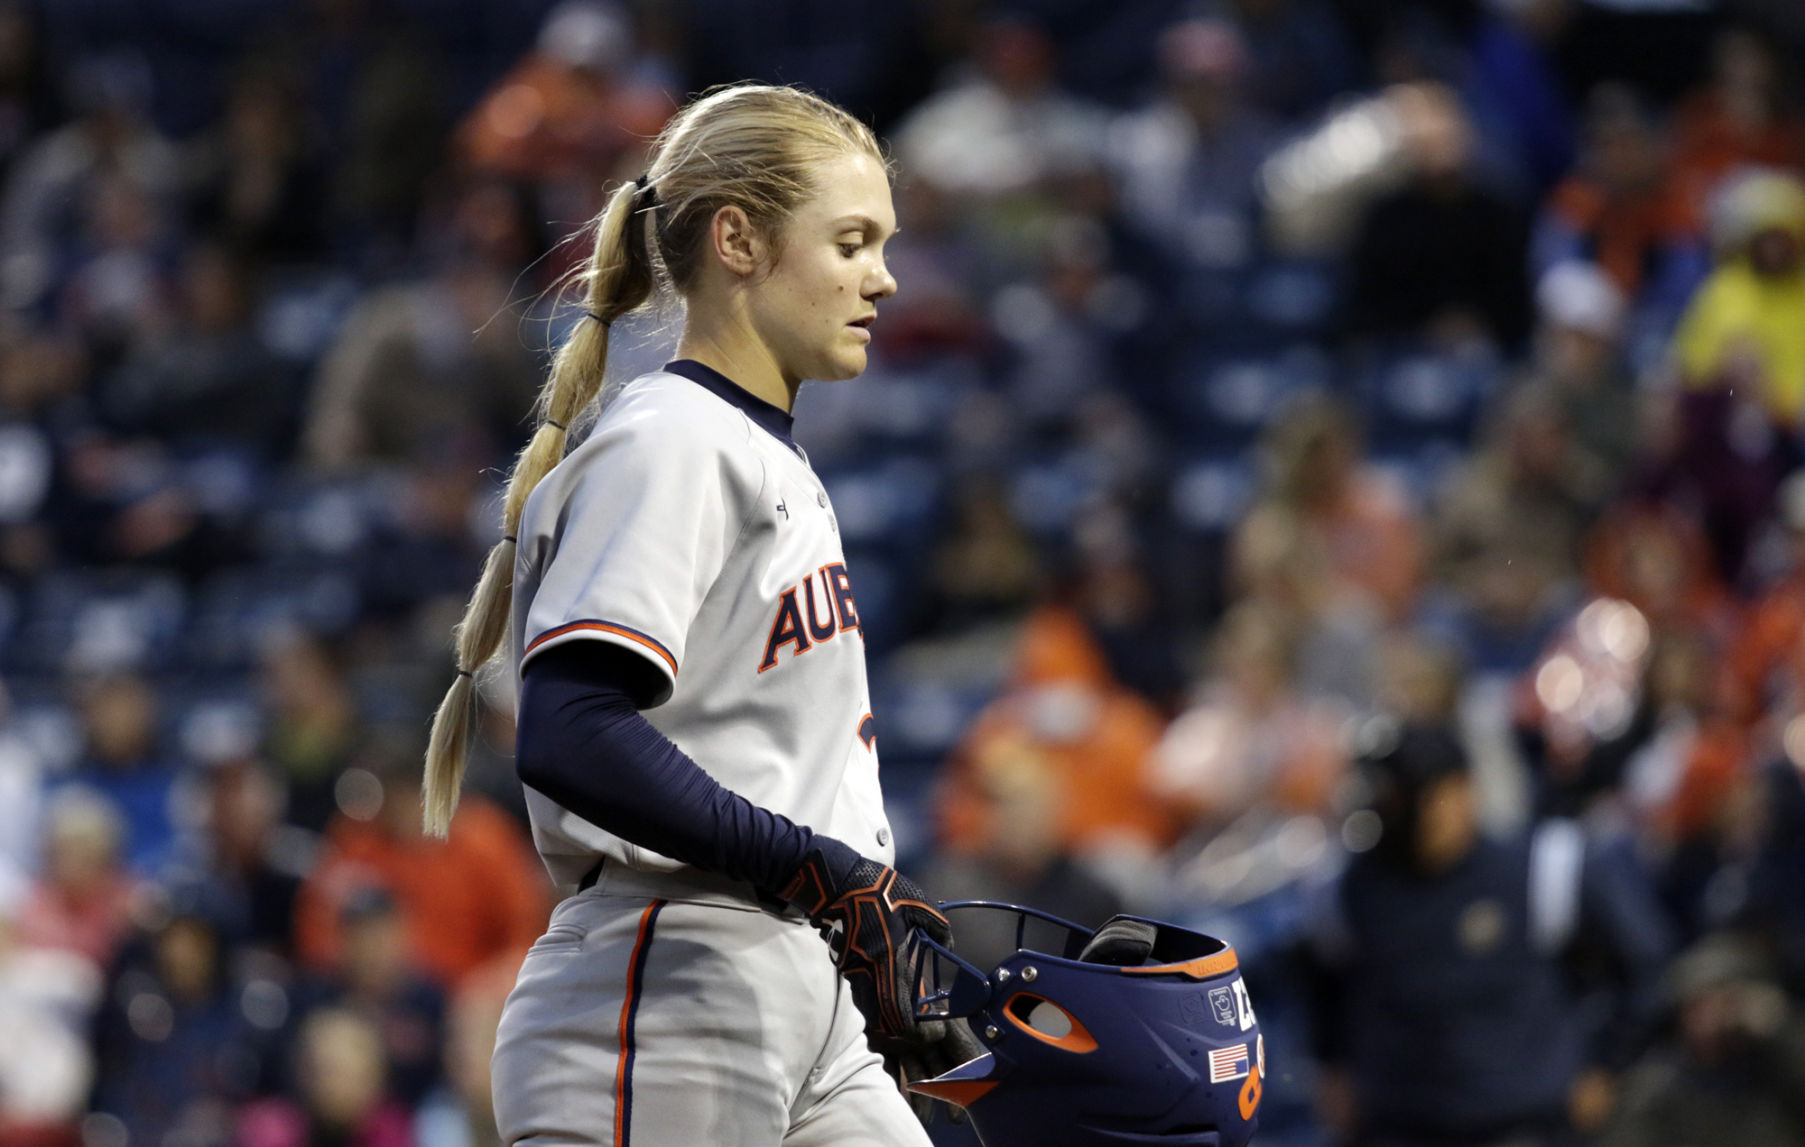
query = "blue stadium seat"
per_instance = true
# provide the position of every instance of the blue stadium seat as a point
(1413, 398)
(891, 505)
(241, 607)
(45, 720)
(100, 620)
(1209, 494)
(1226, 400)
(1046, 494)
(318, 519)
(1296, 297)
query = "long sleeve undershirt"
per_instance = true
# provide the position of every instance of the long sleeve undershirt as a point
(583, 743)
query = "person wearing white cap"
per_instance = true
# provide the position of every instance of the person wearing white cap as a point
(1581, 316)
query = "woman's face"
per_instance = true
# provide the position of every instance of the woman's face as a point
(815, 306)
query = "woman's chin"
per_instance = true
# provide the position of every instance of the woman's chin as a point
(847, 362)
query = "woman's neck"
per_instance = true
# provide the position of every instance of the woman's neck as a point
(732, 348)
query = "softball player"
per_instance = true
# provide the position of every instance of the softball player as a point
(695, 728)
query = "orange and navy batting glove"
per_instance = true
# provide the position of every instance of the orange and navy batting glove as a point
(869, 914)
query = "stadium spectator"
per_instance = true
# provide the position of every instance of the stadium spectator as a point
(120, 717)
(571, 112)
(1330, 541)
(1722, 458)
(116, 281)
(1734, 1069)
(180, 1041)
(46, 999)
(206, 378)
(1057, 326)
(1186, 163)
(58, 177)
(1005, 127)
(376, 978)
(1449, 1001)
(1765, 663)
(1109, 587)
(471, 898)
(1442, 257)
(1085, 733)
(377, 84)
(1655, 556)
(1578, 358)
(1526, 494)
(1622, 209)
(405, 382)
(257, 181)
(1739, 117)
(247, 857)
(1740, 331)
(986, 567)
(313, 725)
(339, 1094)
(84, 901)
(1251, 742)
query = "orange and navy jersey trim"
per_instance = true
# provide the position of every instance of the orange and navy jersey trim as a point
(628, 632)
(629, 1018)
(868, 730)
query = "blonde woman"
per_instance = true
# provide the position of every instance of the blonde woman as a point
(696, 736)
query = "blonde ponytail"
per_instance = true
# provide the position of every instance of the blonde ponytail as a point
(751, 146)
(619, 279)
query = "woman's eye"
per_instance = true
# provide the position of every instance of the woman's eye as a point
(849, 249)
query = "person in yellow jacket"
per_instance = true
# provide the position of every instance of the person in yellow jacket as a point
(1746, 323)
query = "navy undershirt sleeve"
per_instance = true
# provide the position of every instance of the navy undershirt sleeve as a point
(583, 743)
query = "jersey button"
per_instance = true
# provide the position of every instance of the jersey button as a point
(883, 837)
(821, 498)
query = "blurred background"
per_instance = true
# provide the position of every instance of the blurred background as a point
(1328, 478)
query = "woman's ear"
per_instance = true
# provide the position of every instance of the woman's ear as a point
(736, 243)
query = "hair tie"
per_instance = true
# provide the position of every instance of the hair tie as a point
(465, 673)
(598, 318)
(644, 187)
(555, 422)
(642, 182)
(510, 538)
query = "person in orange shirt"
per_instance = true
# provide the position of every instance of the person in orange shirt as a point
(466, 900)
(1620, 210)
(1738, 118)
(571, 109)
(1064, 714)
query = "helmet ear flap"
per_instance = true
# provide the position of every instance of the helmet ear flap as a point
(1122, 943)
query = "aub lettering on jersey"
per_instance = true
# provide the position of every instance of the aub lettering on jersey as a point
(816, 609)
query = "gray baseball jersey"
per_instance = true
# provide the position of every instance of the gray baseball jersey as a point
(689, 528)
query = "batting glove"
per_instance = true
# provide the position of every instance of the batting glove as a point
(870, 914)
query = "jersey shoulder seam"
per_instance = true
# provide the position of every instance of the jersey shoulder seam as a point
(764, 479)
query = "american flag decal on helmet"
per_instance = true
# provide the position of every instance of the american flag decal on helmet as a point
(1228, 1063)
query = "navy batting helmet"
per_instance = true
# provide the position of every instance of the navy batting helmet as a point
(1137, 1032)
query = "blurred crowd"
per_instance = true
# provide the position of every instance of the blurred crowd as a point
(1332, 477)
